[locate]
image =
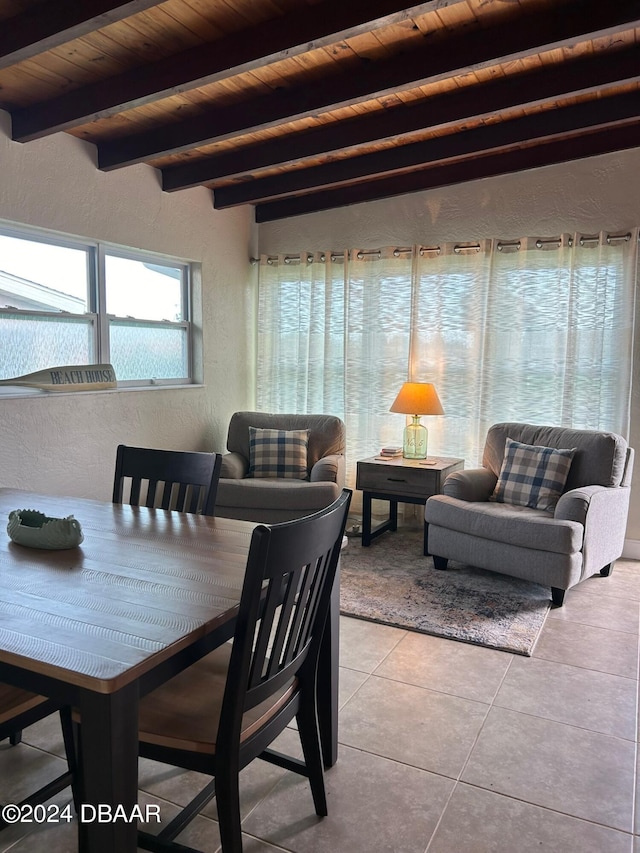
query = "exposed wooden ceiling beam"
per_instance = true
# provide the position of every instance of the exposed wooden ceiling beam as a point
(54, 22)
(572, 77)
(473, 168)
(529, 34)
(602, 112)
(279, 38)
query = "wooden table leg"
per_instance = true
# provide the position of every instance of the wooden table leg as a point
(391, 523)
(366, 519)
(393, 515)
(109, 753)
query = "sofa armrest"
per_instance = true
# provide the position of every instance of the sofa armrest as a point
(574, 505)
(474, 484)
(329, 469)
(602, 510)
(234, 466)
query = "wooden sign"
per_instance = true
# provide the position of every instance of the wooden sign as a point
(73, 377)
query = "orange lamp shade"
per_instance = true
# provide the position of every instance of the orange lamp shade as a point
(417, 398)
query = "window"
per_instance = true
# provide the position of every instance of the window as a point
(64, 302)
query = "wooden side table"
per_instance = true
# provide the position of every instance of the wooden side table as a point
(399, 481)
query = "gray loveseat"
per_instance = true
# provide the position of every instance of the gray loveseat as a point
(274, 499)
(583, 535)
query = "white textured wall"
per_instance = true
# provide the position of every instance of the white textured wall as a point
(599, 193)
(65, 444)
(588, 195)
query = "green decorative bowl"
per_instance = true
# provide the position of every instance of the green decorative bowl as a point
(37, 530)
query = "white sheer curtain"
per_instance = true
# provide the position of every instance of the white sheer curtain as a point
(537, 330)
(301, 333)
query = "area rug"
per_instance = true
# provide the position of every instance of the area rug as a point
(393, 583)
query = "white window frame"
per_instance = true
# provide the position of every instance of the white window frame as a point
(96, 314)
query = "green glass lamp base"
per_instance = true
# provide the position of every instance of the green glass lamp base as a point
(414, 445)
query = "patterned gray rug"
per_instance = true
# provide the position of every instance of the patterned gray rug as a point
(391, 582)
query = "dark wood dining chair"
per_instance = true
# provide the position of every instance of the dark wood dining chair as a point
(20, 709)
(189, 480)
(225, 710)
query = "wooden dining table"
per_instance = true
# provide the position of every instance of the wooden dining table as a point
(97, 626)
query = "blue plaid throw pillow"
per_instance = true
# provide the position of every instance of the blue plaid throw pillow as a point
(278, 453)
(532, 476)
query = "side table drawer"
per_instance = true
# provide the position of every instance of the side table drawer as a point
(414, 482)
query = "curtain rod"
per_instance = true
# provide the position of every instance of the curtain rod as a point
(541, 242)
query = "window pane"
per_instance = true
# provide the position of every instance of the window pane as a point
(44, 285)
(140, 351)
(35, 343)
(143, 290)
(38, 276)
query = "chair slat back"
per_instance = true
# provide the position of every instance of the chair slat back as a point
(284, 605)
(184, 481)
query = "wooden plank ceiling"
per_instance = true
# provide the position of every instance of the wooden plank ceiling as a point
(296, 106)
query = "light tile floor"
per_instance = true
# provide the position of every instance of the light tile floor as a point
(445, 747)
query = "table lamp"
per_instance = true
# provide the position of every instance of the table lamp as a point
(415, 399)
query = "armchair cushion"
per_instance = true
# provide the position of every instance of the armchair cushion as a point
(508, 523)
(601, 457)
(326, 436)
(532, 476)
(278, 453)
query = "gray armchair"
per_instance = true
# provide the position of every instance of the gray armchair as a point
(272, 499)
(583, 534)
